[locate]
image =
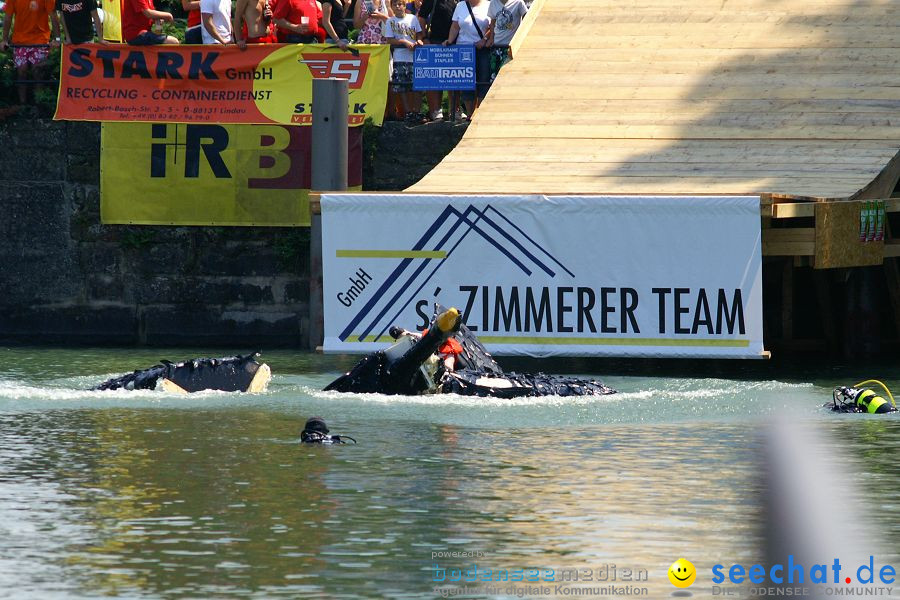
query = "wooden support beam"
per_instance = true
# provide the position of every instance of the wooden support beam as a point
(787, 300)
(791, 210)
(892, 250)
(795, 241)
(892, 274)
(826, 309)
(892, 278)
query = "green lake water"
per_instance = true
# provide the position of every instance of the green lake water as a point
(149, 495)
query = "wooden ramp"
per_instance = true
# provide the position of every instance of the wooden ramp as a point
(796, 98)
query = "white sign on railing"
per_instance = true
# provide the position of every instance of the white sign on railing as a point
(548, 275)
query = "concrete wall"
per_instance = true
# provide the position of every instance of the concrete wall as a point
(64, 277)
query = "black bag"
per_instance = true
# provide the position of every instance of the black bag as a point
(474, 21)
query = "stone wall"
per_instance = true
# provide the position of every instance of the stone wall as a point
(403, 155)
(66, 278)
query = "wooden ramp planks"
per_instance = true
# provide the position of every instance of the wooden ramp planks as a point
(791, 97)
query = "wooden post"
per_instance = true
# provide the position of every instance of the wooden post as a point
(826, 309)
(892, 278)
(316, 300)
(787, 300)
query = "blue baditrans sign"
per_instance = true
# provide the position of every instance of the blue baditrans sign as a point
(444, 68)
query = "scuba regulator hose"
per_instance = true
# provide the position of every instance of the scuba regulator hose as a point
(884, 387)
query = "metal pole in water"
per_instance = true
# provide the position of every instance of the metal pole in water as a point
(329, 134)
(329, 174)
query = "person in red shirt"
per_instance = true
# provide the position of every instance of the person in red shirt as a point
(298, 21)
(137, 20)
(31, 22)
(448, 351)
(192, 35)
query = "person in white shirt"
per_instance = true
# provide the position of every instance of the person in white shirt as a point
(403, 32)
(215, 21)
(506, 16)
(472, 25)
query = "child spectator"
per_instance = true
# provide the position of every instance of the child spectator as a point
(215, 15)
(193, 34)
(506, 16)
(472, 25)
(333, 14)
(253, 23)
(80, 19)
(298, 21)
(369, 17)
(435, 18)
(138, 18)
(31, 22)
(404, 34)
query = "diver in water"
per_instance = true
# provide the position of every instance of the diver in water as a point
(858, 399)
(316, 432)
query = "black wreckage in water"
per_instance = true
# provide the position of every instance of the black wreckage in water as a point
(229, 374)
(411, 367)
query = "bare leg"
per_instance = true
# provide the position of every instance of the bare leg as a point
(434, 101)
(409, 103)
(391, 109)
(470, 107)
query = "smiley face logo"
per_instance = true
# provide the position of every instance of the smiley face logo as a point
(682, 573)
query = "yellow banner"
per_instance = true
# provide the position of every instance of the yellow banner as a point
(193, 174)
(112, 20)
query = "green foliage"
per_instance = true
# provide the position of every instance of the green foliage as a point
(292, 247)
(7, 76)
(52, 64)
(136, 239)
(176, 29)
(45, 95)
(45, 100)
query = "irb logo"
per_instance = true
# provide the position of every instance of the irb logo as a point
(341, 66)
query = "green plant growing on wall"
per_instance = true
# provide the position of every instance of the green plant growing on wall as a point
(7, 76)
(45, 95)
(45, 99)
(291, 247)
(136, 239)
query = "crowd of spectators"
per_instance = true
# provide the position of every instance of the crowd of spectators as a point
(488, 25)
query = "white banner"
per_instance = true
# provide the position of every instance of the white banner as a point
(648, 276)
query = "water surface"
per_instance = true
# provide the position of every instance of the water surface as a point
(145, 494)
